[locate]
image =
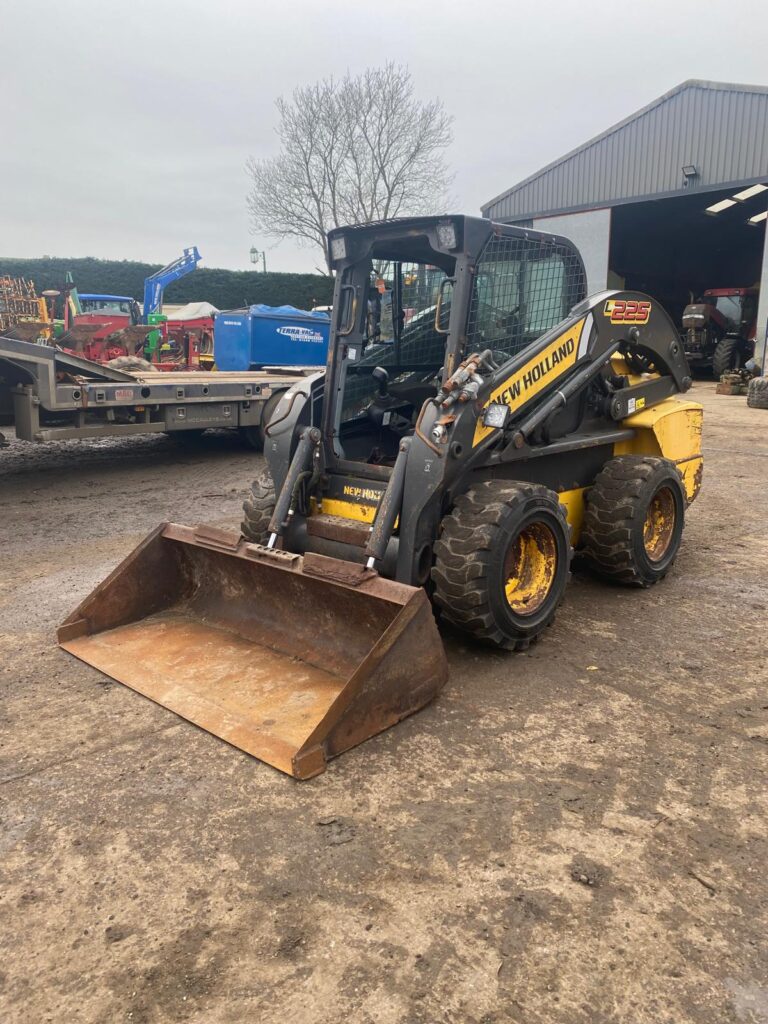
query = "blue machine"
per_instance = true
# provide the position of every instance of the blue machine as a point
(154, 285)
(270, 336)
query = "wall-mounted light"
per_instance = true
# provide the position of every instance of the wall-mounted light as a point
(758, 217)
(689, 171)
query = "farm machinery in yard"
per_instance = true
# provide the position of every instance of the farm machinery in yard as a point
(109, 329)
(114, 330)
(719, 329)
(452, 463)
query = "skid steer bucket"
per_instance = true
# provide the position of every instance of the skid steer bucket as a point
(291, 659)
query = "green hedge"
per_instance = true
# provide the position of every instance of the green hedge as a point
(225, 289)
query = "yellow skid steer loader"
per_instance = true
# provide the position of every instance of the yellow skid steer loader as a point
(479, 419)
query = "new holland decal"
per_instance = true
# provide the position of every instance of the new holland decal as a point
(627, 311)
(540, 371)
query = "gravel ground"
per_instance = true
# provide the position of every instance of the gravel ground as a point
(574, 835)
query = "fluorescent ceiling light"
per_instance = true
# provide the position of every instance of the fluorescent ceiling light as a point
(753, 190)
(758, 217)
(724, 204)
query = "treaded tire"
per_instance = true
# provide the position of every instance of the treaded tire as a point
(757, 393)
(613, 533)
(191, 436)
(131, 364)
(258, 508)
(253, 437)
(728, 355)
(478, 539)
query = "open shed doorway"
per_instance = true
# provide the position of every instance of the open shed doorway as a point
(673, 250)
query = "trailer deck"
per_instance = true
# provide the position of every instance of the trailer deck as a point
(52, 394)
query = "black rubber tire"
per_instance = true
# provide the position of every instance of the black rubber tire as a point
(258, 508)
(728, 355)
(757, 393)
(471, 554)
(612, 536)
(191, 436)
(131, 364)
(253, 437)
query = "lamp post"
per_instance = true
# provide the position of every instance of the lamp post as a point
(255, 254)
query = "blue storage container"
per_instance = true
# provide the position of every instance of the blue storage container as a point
(270, 336)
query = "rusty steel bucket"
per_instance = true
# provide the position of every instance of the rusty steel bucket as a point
(292, 659)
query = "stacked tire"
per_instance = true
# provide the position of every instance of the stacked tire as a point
(757, 394)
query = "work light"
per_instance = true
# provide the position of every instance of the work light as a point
(338, 248)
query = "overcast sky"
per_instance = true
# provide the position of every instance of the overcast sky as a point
(126, 126)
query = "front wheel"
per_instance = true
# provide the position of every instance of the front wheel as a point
(633, 519)
(729, 355)
(502, 562)
(258, 508)
(253, 437)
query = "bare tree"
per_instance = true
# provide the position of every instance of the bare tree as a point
(353, 151)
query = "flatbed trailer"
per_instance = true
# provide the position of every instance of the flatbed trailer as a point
(53, 395)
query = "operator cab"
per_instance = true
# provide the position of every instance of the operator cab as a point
(110, 305)
(397, 333)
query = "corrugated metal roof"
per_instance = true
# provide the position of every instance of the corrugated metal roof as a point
(720, 128)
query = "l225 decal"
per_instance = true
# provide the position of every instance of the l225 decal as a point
(627, 311)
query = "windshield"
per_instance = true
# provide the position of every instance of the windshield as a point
(729, 308)
(402, 298)
(106, 306)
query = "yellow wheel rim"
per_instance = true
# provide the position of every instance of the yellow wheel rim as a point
(530, 568)
(659, 526)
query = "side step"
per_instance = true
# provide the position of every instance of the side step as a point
(346, 531)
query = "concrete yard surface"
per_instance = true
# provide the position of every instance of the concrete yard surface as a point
(573, 835)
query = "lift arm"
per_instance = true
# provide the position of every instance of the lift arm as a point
(157, 282)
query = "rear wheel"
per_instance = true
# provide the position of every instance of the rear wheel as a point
(729, 355)
(258, 508)
(502, 562)
(633, 521)
(757, 393)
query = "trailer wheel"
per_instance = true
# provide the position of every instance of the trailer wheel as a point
(131, 364)
(258, 508)
(633, 520)
(757, 393)
(191, 436)
(502, 562)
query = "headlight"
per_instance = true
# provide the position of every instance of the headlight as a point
(446, 235)
(338, 248)
(495, 415)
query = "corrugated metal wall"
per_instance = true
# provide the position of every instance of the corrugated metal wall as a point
(721, 129)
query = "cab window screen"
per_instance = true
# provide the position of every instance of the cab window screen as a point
(523, 288)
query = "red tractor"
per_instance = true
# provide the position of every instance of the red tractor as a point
(719, 329)
(109, 330)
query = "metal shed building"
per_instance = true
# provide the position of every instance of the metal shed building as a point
(638, 199)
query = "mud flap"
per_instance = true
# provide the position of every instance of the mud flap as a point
(293, 660)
